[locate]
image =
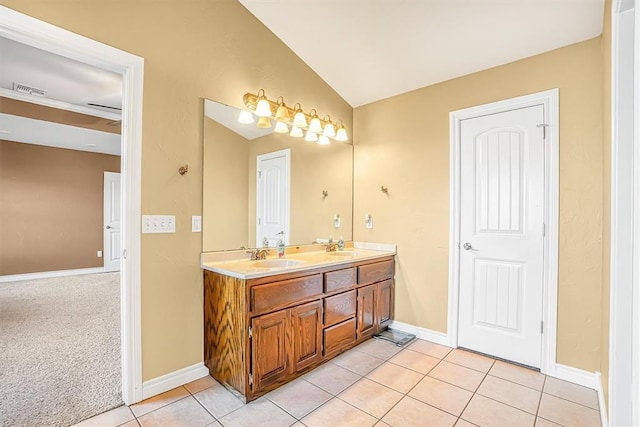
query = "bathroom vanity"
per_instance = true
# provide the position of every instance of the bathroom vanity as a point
(268, 322)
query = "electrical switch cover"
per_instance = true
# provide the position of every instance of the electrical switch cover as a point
(196, 224)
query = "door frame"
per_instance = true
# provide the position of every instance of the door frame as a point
(287, 222)
(550, 100)
(624, 280)
(33, 32)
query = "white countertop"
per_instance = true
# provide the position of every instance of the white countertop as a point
(237, 264)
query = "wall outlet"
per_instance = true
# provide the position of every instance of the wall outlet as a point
(368, 221)
(196, 224)
(158, 224)
(99, 254)
(336, 221)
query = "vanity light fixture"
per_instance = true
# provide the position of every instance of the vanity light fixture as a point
(245, 117)
(308, 124)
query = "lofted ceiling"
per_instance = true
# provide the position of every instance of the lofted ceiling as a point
(368, 50)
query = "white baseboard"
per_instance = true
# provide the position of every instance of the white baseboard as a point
(576, 376)
(173, 379)
(422, 333)
(50, 274)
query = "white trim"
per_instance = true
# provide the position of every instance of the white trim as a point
(624, 283)
(576, 376)
(53, 103)
(602, 406)
(49, 274)
(550, 100)
(422, 333)
(173, 379)
(39, 34)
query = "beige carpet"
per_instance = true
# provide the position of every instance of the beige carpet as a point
(59, 349)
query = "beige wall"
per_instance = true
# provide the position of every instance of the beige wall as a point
(403, 143)
(192, 49)
(51, 203)
(225, 217)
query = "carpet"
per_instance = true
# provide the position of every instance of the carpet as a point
(59, 349)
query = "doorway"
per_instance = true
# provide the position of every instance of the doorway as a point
(273, 189)
(503, 229)
(111, 221)
(36, 33)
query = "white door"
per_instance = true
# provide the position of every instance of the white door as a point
(501, 234)
(112, 250)
(272, 191)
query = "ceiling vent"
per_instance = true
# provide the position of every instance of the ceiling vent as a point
(30, 90)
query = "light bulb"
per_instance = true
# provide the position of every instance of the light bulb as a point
(315, 125)
(281, 128)
(323, 140)
(245, 117)
(329, 130)
(310, 136)
(296, 132)
(282, 113)
(263, 109)
(299, 120)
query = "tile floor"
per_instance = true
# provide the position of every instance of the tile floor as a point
(379, 384)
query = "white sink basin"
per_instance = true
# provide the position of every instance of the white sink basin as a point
(342, 253)
(276, 263)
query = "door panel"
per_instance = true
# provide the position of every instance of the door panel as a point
(271, 348)
(366, 311)
(272, 192)
(307, 334)
(111, 237)
(501, 233)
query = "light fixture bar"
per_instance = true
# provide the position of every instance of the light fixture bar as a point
(326, 125)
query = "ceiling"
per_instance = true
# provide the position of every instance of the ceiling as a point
(368, 50)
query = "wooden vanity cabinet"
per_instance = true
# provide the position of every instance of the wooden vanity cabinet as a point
(261, 333)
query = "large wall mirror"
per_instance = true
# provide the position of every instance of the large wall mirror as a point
(260, 186)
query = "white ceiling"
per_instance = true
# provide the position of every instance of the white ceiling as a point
(70, 85)
(368, 50)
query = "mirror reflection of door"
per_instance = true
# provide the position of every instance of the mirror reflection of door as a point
(273, 188)
(111, 221)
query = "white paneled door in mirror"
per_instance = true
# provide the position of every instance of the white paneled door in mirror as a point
(501, 234)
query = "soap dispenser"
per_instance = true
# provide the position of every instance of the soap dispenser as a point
(341, 244)
(280, 248)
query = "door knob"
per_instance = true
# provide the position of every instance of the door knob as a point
(467, 247)
(108, 227)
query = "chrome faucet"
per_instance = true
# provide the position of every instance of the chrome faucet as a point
(258, 254)
(331, 247)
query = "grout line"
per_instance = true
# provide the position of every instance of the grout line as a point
(517, 383)
(571, 401)
(541, 393)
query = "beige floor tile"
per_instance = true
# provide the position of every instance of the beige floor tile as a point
(486, 412)
(451, 373)
(299, 397)
(378, 348)
(463, 423)
(358, 362)
(410, 412)
(261, 412)
(381, 424)
(429, 348)
(338, 413)
(112, 418)
(201, 384)
(541, 422)
(415, 361)
(159, 401)
(470, 360)
(373, 398)
(512, 394)
(567, 413)
(332, 378)
(573, 392)
(218, 400)
(182, 413)
(394, 376)
(518, 374)
(132, 423)
(442, 395)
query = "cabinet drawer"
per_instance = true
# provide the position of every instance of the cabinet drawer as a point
(281, 294)
(342, 279)
(339, 307)
(377, 272)
(339, 336)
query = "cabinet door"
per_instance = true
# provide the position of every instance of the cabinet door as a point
(384, 297)
(367, 322)
(307, 334)
(271, 348)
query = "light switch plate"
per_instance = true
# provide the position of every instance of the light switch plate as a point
(152, 224)
(196, 224)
